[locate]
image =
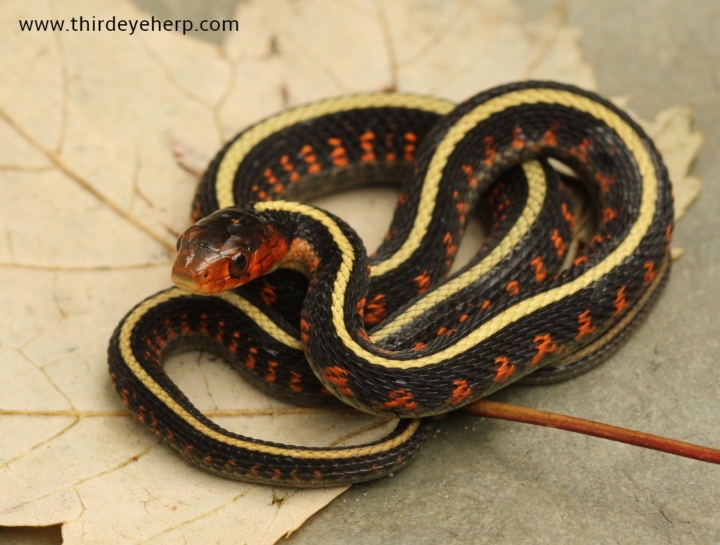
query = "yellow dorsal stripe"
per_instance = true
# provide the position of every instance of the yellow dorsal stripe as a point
(480, 113)
(235, 154)
(537, 188)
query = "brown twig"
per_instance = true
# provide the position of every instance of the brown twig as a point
(504, 411)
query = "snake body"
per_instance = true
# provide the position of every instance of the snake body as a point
(411, 343)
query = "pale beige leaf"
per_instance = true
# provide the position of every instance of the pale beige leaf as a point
(94, 130)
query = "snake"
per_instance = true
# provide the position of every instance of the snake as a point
(286, 293)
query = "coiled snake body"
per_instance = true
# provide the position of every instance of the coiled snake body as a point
(410, 343)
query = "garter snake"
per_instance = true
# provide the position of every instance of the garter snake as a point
(412, 343)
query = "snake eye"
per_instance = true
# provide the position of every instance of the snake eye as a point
(238, 265)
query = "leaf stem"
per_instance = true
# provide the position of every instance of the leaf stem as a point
(505, 411)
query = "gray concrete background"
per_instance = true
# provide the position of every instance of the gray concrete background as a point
(480, 481)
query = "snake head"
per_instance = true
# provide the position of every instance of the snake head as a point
(225, 250)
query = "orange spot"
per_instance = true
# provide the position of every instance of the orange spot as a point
(461, 392)
(423, 282)
(462, 318)
(605, 182)
(620, 302)
(368, 147)
(270, 376)
(585, 325)
(581, 150)
(549, 138)
(375, 310)
(310, 158)
(450, 248)
(419, 345)
(504, 369)
(295, 379)
(410, 139)
(469, 174)
(568, 215)
(490, 151)
(250, 362)
(543, 345)
(609, 214)
(361, 307)
(518, 141)
(649, 273)
(441, 330)
(400, 398)
(207, 459)
(513, 287)
(558, 242)
(267, 294)
(668, 234)
(337, 376)
(540, 271)
(269, 176)
(486, 304)
(304, 330)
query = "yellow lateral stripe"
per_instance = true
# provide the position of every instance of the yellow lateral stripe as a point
(325, 453)
(480, 113)
(235, 154)
(537, 187)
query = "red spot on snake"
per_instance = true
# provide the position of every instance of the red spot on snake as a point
(308, 155)
(295, 379)
(469, 174)
(543, 345)
(338, 377)
(461, 392)
(504, 369)
(304, 330)
(490, 151)
(338, 153)
(270, 376)
(250, 362)
(267, 294)
(585, 325)
(579, 259)
(410, 141)
(208, 459)
(422, 281)
(462, 318)
(649, 273)
(609, 214)
(400, 399)
(540, 271)
(375, 310)
(485, 305)
(268, 175)
(368, 147)
(604, 181)
(581, 150)
(518, 141)
(558, 242)
(549, 138)
(513, 287)
(568, 215)
(620, 301)
(419, 345)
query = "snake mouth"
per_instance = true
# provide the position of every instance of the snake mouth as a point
(185, 280)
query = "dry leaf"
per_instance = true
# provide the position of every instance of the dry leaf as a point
(92, 198)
